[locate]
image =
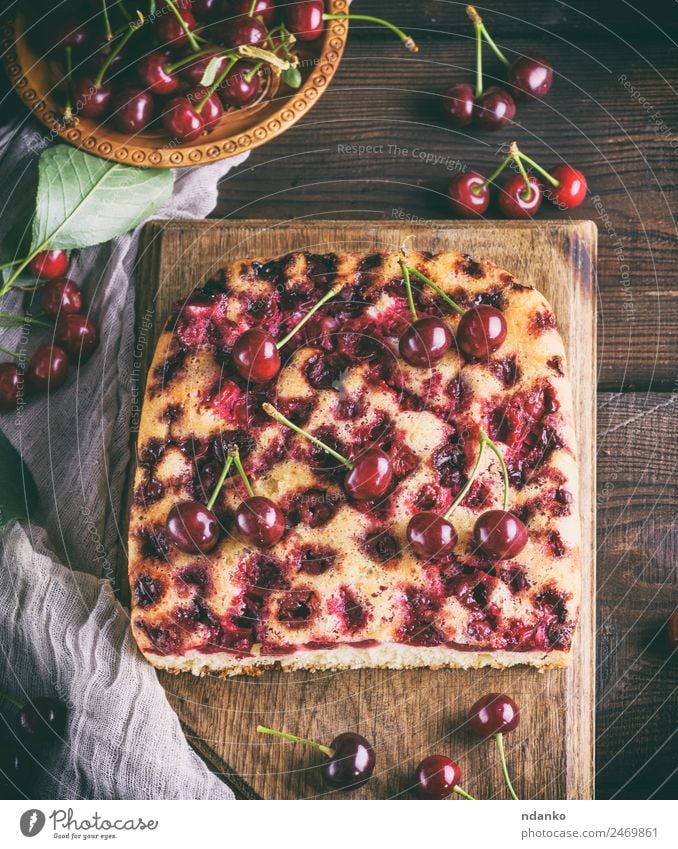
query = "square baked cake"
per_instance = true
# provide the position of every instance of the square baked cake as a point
(342, 571)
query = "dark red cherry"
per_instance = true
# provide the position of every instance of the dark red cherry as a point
(132, 110)
(468, 194)
(493, 714)
(571, 190)
(211, 111)
(48, 368)
(154, 76)
(256, 356)
(194, 72)
(500, 534)
(370, 476)
(260, 521)
(70, 33)
(425, 342)
(10, 380)
(241, 30)
(458, 105)
(181, 121)
(481, 331)
(192, 527)
(529, 76)
(515, 201)
(264, 9)
(90, 100)
(207, 10)
(60, 297)
(238, 89)
(77, 335)
(305, 20)
(430, 535)
(41, 719)
(494, 109)
(352, 763)
(436, 777)
(169, 31)
(671, 628)
(47, 265)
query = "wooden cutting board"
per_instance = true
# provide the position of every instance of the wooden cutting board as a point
(407, 714)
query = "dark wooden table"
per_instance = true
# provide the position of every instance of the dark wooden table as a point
(613, 112)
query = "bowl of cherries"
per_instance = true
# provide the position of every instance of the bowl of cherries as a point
(167, 83)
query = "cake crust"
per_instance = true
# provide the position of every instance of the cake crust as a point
(342, 589)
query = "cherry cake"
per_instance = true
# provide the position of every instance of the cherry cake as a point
(337, 581)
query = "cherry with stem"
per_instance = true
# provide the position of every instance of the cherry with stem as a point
(258, 519)
(368, 478)
(190, 36)
(494, 715)
(437, 776)
(351, 758)
(426, 340)
(103, 70)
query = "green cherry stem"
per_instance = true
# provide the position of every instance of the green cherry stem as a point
(68, 78)
(436, 289)
(464, 794)
(515, 154)
(253, 6)
(261, 729)
(408, 289)
(270, 410)
(108, 32)
(10, 319)
(182, 23)
(234, 452)
(123, 10)
(472, 12)
(407, 40)
(493, 176)
(545, 174)
(478, 30)
(180, 63)
(504, 470)
(499, 737)
(10, 699)
(462, 493)
(111, 56)
(219, 80)
(220, 482)
(14, 354)
(325, 298)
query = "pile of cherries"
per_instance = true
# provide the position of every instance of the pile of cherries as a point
(75, 335)
(521, 194)
(35, 725)
(529, 77)
(178, 64)
(351, 758)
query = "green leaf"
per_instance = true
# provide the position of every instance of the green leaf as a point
(210, 74)
(14, 248)
(18, 494)
(83, 200)
(292, 76)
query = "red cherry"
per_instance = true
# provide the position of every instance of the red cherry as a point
(41, 719)
(48, 265)
(237, 88)
(425, 342)
(211, 111)
(436, 777)
(264, 9)
(572, 187)
(530, 76)
(47, 368)
(241, 30)
(10, 379)
(494, 109)
(515, 201)
(77, 335)
(481, 331)
(192, 527)
(169, 31)
(60, 297)
(133, 110)
(70, 33)
(352, 762)
(181, 121)
(206, 9)
(500, 534)
(458, 105)
(468, 194)
(493, 714)
(256, 356)
(671, 625)
(90, 100)
(260, 521)
(370, 476)
(305, 20)
(430, 535)
(154, 76)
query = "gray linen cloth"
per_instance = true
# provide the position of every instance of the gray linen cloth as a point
(62, 632)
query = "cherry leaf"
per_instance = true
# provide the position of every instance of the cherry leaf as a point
(83, 200)
(292, 76)
(210, 74)
(18, 494)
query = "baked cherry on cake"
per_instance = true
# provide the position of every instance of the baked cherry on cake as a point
(364, 526)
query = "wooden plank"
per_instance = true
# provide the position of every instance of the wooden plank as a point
(389, 99)
(406, 714)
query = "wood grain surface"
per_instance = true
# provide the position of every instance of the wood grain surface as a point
(414, 713)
